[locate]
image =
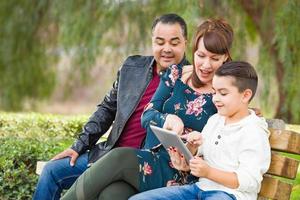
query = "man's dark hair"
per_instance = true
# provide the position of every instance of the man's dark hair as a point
(171, 18)
(244, 74)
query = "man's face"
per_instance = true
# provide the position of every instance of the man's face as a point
(168, 44)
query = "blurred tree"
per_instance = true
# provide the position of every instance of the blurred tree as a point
(34, 35)
(25, 69)
(278, 23)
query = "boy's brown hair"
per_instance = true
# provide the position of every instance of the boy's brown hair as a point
(244, 74)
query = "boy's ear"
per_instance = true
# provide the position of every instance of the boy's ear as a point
(247, 94)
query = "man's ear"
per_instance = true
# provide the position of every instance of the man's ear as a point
(247, 94)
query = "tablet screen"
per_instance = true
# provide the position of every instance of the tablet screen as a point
(171, 139)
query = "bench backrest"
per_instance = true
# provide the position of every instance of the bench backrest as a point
(278, 182)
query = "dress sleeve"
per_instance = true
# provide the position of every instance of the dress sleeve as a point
(153, 111)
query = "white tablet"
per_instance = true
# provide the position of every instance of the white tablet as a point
(171, 139)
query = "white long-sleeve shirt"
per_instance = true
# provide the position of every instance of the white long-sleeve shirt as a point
(241, 147)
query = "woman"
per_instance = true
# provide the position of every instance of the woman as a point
(182, 103)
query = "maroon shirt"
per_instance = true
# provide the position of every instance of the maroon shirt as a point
(133, 133)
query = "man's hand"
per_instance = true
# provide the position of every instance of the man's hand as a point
(174, 123)
(178, 160)
(67, 153)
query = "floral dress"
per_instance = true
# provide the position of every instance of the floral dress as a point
(171, 97)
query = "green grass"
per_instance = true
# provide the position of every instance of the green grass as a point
(296, 189)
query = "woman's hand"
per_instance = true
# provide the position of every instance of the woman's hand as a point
(199, 167)
(178, 160)
(257, 112)
(174, 123)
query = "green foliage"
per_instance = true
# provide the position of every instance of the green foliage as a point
(288, 40)
(25, 67)
(18, 157)
(296, 189)
(35, 35)
(26, 139)
(40, 126)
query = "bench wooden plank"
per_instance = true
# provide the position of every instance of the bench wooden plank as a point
(283, 166)
(273, 188)
(284, 140)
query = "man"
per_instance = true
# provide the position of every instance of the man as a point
(121, 108)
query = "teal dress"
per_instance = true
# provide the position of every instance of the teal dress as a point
(171, 97)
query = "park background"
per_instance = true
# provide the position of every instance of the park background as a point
(58, 58)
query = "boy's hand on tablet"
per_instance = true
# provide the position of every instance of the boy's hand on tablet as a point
(199, 167)
(194, 140)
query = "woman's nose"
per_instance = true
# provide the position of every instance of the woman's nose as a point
(206, 64)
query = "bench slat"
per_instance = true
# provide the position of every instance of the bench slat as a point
(283, 166)
(284, 140)
(275, 189)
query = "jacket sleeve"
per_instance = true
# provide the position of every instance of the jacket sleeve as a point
(153, 111)
(99, 122)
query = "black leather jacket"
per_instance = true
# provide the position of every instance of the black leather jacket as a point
(116, 108)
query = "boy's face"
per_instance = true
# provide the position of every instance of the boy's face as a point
(168, 44)
(228, 100)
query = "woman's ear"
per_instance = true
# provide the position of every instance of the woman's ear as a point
(225, 58)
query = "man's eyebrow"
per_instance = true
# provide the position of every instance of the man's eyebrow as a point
(175, 38)
(159, 38)
(172, 39)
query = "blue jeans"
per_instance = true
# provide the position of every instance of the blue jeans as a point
(185, 192)
(58, 175)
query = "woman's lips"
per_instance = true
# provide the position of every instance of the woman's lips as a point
(205, 73)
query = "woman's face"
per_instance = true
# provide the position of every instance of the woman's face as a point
(206, 63)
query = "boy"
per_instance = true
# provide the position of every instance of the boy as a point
(234, 144)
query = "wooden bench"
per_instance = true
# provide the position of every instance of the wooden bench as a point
(278, 182)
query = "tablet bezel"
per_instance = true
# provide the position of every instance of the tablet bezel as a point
(171, 139)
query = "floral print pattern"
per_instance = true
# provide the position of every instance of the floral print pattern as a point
(147, 169)
(177, 107)
(156, 169)
(196, 106)
(174, 75)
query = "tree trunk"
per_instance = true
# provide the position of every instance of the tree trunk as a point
(255, 12)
